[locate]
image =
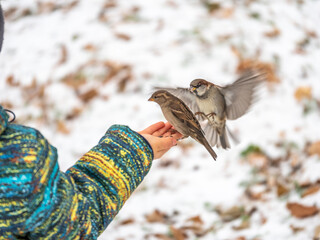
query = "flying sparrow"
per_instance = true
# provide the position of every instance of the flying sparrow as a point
(181, 118)
(217, 104)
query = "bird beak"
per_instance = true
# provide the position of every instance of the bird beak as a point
(151, 99)
(192, 89)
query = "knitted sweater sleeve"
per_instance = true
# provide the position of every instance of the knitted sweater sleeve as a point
(110, 172)
(38, 201)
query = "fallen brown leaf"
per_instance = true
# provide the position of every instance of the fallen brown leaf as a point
(258, 160)
(195, 224)
(231, 213)
(254, 195)
(272, 34)
(122, 71)
(109, 4)
(74, 80)
(46, 7)
(216, 10)
(224, 37)
(90, 47)
(34, 91)
(225, 12)
(265, 67)
(169, 163)
(282, 190)
(303, 92)
(243, 225)
(7, 105)
(64, 55)
(195, 220)
(301, 211)
(159, 236)
(311, 34)
(296, 229)
(11, 81)
(198, 230)
(88, 95)
(123, 82)
(156, 216)
(178, 234)
(123, 36)
(314, 148)
(8, 14)
(241, 238)
(16, 13)
(106, 6)
(70, 5)
(310, 190)
(263, 219)
(127, 221)
(61, 127)
(74, 113)
(316, 233)
(212, 7)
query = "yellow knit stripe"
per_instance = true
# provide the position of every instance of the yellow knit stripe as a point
(110, 170)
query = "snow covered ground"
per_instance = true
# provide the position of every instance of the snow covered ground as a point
(74, 68)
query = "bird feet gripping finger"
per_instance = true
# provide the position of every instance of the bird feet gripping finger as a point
(159, 138)
(200, 113)
(211, 115)
(206, 116)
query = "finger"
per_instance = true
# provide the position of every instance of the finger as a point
(173, 133)
(177, 135)
(165, 143)
(162, 130)
(167, 134)
(154, 127)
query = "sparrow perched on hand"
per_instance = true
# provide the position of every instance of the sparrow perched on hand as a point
(217, 104)
(181, 118)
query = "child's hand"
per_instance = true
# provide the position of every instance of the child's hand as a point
(160, 138)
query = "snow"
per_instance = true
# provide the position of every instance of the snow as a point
(172, 43)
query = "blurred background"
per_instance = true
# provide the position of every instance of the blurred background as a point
(74, 68)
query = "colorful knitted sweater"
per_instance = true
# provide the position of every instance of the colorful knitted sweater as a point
(38, 201)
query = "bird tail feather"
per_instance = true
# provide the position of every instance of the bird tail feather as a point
(209, 149)
(223, 139)
(219, 138)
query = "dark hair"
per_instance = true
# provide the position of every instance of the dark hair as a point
(1, 27)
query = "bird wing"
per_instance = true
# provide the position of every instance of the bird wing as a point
(184, 95)
(239, 96)
(183, 113)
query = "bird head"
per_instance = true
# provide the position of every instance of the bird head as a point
(199, 87)
(160, 97)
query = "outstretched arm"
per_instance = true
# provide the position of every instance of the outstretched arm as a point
(40, 202)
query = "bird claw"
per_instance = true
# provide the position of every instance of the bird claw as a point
(200, 113)
(173, 131)
(211, 114)
(206, 116)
